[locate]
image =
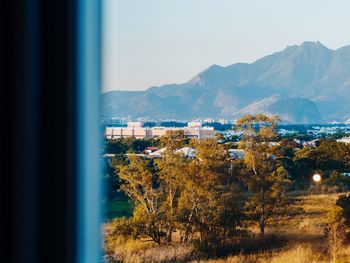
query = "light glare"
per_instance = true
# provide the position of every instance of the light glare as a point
(316, 177)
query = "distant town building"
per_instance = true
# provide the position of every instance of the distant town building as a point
(236, 153)
(185, 151)
(136, 130)
(194, 124)
(313, 143)
(208, 120)
(156, 154)
(223, 122)
(344, 140)
(135, 124)
(151, 149)
(188, 152)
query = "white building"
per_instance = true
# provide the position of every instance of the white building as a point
(136, 130)
(186, 151)
(208, 120)
(236, 153)
(135, 124)
(194, 124)
(223, 121)
(344, 140)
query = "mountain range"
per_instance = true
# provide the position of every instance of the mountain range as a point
(307, 83)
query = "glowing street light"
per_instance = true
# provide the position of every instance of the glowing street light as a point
(316, 178)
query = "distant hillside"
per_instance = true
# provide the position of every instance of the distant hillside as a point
(290, 110)
(308, 83)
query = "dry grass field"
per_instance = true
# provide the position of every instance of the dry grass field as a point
(297, 238)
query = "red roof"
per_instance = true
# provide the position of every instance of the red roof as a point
(152, 149)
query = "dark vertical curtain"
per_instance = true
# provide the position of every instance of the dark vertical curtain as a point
(38, 81)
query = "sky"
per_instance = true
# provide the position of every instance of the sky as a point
(155, 42)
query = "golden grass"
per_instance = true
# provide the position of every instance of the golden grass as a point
(137, 251)
(302, 233)
(313, 216)
(298, 254)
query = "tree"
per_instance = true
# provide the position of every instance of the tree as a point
(142, 186)
(124, 145)
(267, 180)
(303, 168)
(210, 203)
(114, 146)
(199, 197)
(344, 202)
(171, 169)
(335, 231)
(329, 155)
(111, 178)
(173, 139)
(336, 179)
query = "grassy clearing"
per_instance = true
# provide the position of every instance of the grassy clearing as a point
(298, 254)
(117, 208)
(296, 238)
(311, 217)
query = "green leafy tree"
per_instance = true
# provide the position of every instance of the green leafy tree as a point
(114, 146)
(329, 155)
(344, 202)
(337, 179)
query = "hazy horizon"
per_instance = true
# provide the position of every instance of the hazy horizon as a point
(161, 42)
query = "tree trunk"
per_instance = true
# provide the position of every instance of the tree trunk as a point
(170, 233)
(188, 225)
(262, 227)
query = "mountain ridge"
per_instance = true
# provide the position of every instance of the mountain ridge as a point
(312, 74)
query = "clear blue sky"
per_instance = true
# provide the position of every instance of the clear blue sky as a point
(154, 42)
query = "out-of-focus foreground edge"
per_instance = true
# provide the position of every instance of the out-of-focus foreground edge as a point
(89, 81)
